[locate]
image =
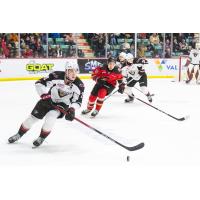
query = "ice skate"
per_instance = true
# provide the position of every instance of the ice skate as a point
(14, 138)
(149, 98)
(129, 99)
(94, 113)
(38, 141)
(86, 111)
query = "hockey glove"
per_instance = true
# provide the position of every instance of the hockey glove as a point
(121, 88)
(70, 114)
(45, 96)
(101, 81)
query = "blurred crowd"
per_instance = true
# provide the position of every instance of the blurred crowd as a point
(33, 45)
(100, 45)
(97, 42)
(61, 45)
(9, 45)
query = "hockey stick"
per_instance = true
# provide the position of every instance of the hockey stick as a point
(179, 119)
(111, 94)
(133, 148)
(116, 90)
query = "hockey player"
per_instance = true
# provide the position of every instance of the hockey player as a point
(106, 78)
(129, 59)
(121, 60)
(66, 93)
(192, 65)
(134, 72)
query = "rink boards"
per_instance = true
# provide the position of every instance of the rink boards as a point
(33, 69)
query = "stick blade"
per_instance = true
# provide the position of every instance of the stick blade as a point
(184, 118)
(136, 147)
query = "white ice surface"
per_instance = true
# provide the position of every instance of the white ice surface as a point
(167, 142)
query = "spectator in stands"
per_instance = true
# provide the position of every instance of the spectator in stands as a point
(176, 46)
(112, 39)
(184, 47)
(4, 47)
(39, 50)
(142, 35)
(192, 43)
(58, 51)
(156, 54)
(167, 48)
(132, 47)
(167, 43)
(34, 41)
(81, 53)
(69, 39)
(14, 37)
(28, 53)
(9, 45)
(141, 51)
(50, 51)
(154, 40)
(125, 47)
(180, 37)
(167, 52)
(100, 46)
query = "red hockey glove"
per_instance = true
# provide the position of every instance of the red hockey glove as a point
(45, 96)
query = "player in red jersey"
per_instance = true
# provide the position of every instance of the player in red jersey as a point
(106, 78)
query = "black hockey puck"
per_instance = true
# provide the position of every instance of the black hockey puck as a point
(128, 158)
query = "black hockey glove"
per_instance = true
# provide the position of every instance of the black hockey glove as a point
(101, 81)
(70, 114)
(121, 88)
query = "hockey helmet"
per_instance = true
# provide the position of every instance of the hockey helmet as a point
(122, 56)
(71, 70)
(129, 57)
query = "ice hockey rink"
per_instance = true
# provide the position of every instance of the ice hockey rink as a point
(168, 142)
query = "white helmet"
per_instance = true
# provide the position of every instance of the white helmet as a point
(129, 57)
(71, 70)
(72, 65)
(122, 56)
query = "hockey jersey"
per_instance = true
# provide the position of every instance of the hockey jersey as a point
(135, 71)
(71, 94)
(111, 76)
(194, 57)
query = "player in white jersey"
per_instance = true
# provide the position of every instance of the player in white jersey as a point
(192, 65)
(61, 94)
(134, 72)
(121, 60)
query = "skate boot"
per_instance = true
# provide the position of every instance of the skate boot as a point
(94, 113)
(187, 81)
(86, 111)
(149, 97)
(38, 141)
(129, 99)
(14, 138)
